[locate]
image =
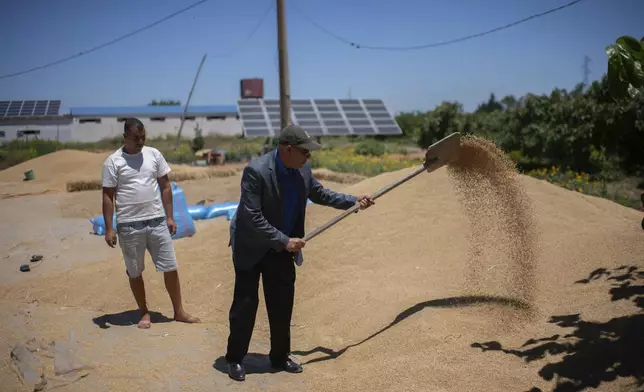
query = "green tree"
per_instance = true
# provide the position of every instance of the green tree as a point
(589, 129)
(411, 124)
(626, 67)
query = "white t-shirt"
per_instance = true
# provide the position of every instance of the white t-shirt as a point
(135, 179)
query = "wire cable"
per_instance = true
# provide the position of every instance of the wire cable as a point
(435, 44)
(252, 33)
(105, 44)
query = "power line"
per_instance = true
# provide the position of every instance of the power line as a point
(105, 44)
(259, 24)
(436, 44)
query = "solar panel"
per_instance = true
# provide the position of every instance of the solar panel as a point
(320, 117)
(41, 108)
(253, 117)
(29, 108)
(4, 105)
(54, 108)
(272, 107)
(14, 108)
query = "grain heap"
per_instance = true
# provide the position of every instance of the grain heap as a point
(374, 299)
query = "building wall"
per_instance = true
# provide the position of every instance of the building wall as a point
(50, 129)
(109, 127)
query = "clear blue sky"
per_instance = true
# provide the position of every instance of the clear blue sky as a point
(160, 63)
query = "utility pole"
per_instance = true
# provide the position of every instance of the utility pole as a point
(185, 108)
(285, 93)
(586, 70)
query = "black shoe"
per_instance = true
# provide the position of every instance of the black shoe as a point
(289, 366)
(236, 371)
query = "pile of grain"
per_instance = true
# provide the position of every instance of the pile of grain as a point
(74, 170)
(52, 172)
(64, 163)
(382, 300)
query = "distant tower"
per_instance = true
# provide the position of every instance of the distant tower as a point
(586, 69)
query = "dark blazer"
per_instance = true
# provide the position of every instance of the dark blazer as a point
(253, 230)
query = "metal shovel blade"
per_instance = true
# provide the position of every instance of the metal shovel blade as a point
(442, 152)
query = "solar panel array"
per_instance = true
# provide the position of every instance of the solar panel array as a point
(320, 117)
(29, 108)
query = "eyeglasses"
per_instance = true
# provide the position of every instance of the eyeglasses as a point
(304, 151)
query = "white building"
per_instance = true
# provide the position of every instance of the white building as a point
(40, 127)
(33, 119)
(19, 120)
(92, 124)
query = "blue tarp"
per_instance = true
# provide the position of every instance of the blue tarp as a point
(220, 209)
(183, 219)
(226, 209)
(198, 212)
(184, 215)
(181, 214)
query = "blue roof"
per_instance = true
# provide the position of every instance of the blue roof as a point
(147, 111)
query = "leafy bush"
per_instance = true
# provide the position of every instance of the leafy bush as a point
(587, 184)
(370, 147)
(183, 154)
(584, 129)
(242, 153)
(18, 151)
(579, 182)
(15, 157)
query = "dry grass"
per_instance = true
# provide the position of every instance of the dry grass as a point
(178, 176)
(208, 173)
(83, 185)
(342, 178)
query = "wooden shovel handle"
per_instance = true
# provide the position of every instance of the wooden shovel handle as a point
(355, 208)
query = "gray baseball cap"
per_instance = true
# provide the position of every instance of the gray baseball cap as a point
(297, 136)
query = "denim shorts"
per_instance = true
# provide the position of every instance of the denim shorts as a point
(153, 235)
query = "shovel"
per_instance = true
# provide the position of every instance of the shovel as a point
(438, 154)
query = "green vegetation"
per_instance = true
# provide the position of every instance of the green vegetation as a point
(586, 131)
(626, 67)
(239, 149)
(373, 147)
(347, 160)
(593, 136)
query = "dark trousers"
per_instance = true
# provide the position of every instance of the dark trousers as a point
(278, 281)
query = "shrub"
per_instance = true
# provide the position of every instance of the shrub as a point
(370, 147)
(182, 154)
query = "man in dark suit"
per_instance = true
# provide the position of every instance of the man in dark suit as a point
(266, 238)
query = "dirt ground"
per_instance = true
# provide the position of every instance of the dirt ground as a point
(382, 302)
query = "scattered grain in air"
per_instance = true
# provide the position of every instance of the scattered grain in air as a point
(500, 213)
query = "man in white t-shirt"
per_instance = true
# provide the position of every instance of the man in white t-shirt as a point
(132, 176)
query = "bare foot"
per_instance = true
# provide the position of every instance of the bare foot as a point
(145, 322)
(186, 318)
